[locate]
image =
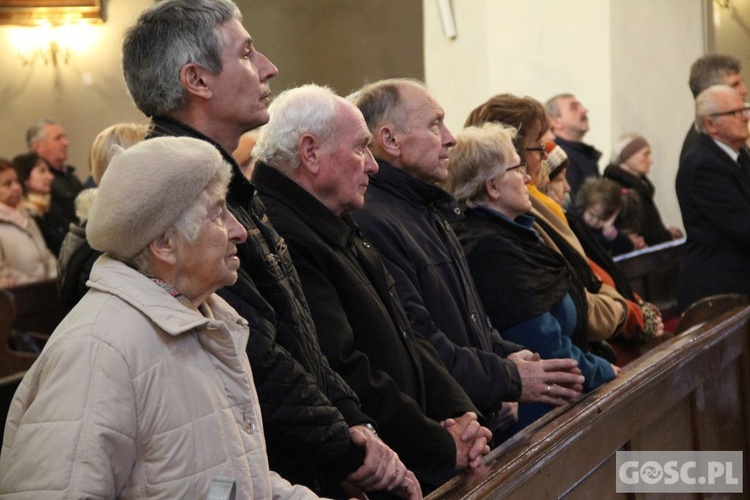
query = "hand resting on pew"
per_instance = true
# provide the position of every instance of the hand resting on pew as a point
(552, 381)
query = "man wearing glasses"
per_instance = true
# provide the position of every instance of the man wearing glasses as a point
(713, 69)
(713, 188)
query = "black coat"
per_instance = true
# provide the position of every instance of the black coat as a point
(650, 225)
(407, 221)
(55, 223)
(364, 331)
(690, 138)
(307, 409)
(584, 162)
(714, 195)
(74, 265)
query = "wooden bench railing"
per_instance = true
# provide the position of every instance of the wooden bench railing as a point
(652, 273)
(689, 393)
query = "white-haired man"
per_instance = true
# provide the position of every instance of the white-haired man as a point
(312, 172)
(713, 189)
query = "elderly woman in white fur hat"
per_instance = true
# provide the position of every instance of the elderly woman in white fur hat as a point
(145, 390)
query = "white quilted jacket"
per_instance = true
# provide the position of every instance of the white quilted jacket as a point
(138, 396)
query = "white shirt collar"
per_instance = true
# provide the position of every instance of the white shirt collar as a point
(731, 152)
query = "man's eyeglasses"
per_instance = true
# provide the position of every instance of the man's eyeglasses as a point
(521, 167)
(539, 150)
(737, 113)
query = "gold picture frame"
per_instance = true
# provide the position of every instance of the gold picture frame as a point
(35, 12)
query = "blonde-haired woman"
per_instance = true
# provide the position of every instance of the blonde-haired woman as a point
(76, 256)
(528, 290)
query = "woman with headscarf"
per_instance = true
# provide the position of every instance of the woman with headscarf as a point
(630, 166)
(145, 390)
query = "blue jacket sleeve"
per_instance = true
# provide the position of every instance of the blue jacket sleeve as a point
(544, 334)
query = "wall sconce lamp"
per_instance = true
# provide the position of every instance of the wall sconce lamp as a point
(51, 45)
(54, 29)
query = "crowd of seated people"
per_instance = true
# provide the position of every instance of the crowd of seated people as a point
(413, 298)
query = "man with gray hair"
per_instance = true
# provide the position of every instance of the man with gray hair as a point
(713, 189)
(312, 172)
(47, 138)
(569, 122)
(713, 69)
(193, 68)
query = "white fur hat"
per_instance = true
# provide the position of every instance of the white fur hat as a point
(145, 190)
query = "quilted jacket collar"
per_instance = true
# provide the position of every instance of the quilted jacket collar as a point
(116, 278)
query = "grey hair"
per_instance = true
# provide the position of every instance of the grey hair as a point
(309, 109)
(167, 36)
(710, 70)
(481, 153)
(36, 131)
(706, 104)
(381, 102)
(551, 106)
(189, 225)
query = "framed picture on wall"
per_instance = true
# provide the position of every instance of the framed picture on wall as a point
(34, 12)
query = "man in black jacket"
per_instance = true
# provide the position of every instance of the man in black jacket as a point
(191, 66)
(407, 217)
(312, 171)
(713, 188)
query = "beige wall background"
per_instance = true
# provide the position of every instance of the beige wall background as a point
(627, 60)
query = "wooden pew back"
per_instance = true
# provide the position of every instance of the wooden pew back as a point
(690, 393)
(39, 309)
(653, 272)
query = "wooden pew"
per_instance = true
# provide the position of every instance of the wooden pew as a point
(13, 364)
(689, 393)
(652, 273)
(32, 308)
(39, 309)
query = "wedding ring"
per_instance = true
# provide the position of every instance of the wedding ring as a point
(549, 389)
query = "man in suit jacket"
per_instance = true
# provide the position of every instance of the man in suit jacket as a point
(713, 188)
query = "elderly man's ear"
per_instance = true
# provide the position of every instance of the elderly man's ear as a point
(386, 139)
(309, 153)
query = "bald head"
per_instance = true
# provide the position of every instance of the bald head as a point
(408, 128)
